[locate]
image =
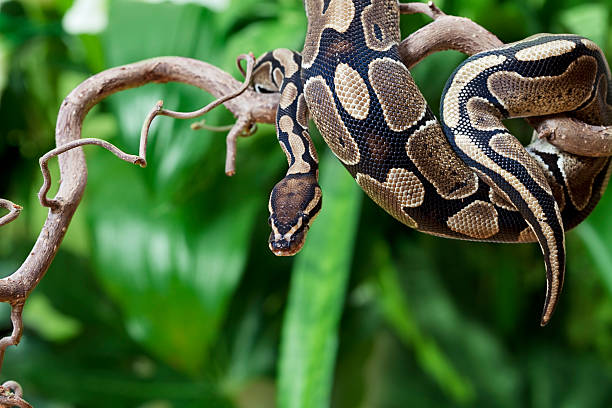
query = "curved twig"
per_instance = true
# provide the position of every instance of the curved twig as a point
(243, 122)
(258, 107)
(429, 9)
(14, 211)
(11, 395)
(16, 311)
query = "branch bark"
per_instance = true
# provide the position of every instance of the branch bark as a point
(461, 34)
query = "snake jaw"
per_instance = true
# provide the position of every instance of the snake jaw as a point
(287, 245)
(292, 241)
(294, 203)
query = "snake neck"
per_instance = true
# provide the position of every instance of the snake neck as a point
(345, 26)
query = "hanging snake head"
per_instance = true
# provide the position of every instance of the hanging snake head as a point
(294, 203)
(263, 80)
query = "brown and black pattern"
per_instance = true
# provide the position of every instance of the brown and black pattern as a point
(467, 179)
(295, 201)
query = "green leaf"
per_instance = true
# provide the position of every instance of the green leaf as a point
(589, 20)
(597, 237)
(51, 324)
(397, 312)
(316, 297)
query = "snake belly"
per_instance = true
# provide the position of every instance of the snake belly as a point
(465, 179)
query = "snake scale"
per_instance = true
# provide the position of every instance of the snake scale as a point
(465, 178)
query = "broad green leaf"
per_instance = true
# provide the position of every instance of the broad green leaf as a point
(170, 270)
(310, 330)
(397, 312)
(589, 20)
(51, 324)
(596, 233)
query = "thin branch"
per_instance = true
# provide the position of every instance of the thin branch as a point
(11, 395)
(44, 163)
(244, 120)
(202, 125)
(446, 33)
(73, 171)
(574, 136)
(16, 311)
(14, 211)
(429, 9)
(241, 124)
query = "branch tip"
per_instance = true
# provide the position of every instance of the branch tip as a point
(14, 211)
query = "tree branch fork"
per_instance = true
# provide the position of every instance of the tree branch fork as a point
(443, 33)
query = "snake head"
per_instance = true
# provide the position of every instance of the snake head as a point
(294, 203)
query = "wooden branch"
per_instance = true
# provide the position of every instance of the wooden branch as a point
(463, 35)
(256, 107)
(14, 211)
(15, 289)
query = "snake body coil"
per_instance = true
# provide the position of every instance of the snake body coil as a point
(465, 179)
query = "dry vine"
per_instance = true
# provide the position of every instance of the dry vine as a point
(443, 33)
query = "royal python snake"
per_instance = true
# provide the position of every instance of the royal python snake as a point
(466, 178)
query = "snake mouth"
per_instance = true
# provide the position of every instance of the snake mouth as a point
(280, 246)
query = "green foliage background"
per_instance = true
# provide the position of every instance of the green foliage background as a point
(164, 293)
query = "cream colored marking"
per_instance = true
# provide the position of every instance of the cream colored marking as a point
(590, 45)
(311, 148)
(278, 77)
(297, 147)
(557, 189)
(596, 111)
(302, 112)
(352, 91)
(478, 220)
(338, 16)
(483, 114)
(579, 174)
(285, 57)
(606, 180)
(501, 201)
(288, 96)
(508, 146)
(401, 101)
(320, 100)
(546, 50)
(293, 229)
(263, 77)
(527, 235)
(402, 188)
(465, 74)
(385, 15)
(313, 203)
(524, 96)
(451, 178)
(552, 291)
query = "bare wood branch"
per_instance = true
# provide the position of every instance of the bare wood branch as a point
(446, 33)
(463, 35)
(14, 211)
(258, 107)
(11, 395)
(574, 136)
(16, 311)
(429, 9)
